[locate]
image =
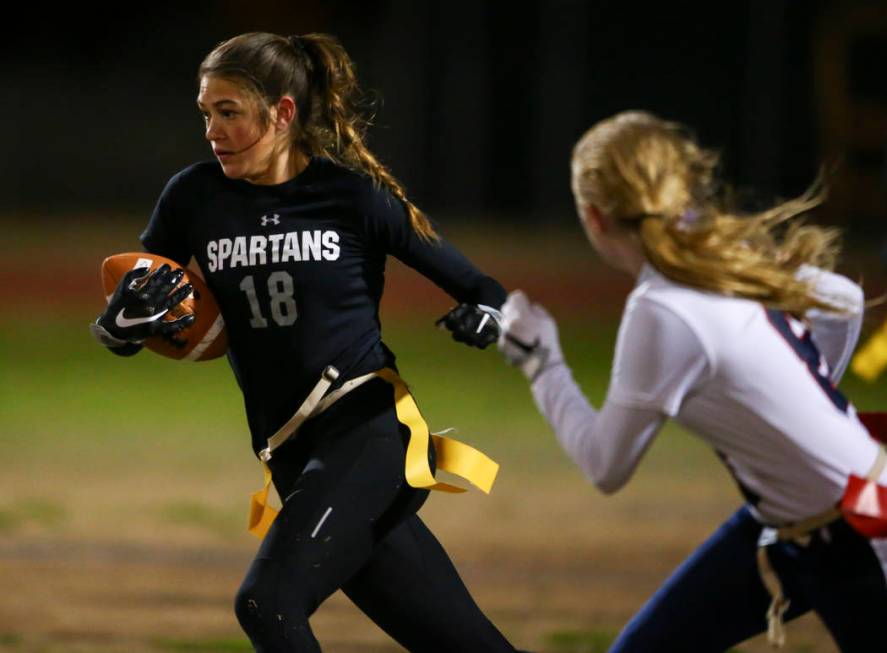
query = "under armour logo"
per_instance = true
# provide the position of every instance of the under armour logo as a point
(272, 220)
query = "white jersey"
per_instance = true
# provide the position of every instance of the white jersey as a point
(756, 384)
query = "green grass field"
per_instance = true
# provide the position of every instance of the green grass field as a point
(124, 486)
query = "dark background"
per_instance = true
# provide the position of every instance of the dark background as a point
(479, 102)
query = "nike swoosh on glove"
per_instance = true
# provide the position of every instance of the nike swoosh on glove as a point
(529, 338)
(140, 301)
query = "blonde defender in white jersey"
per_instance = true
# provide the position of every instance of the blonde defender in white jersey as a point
(737, 330)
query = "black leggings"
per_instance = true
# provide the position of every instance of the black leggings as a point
(348, 521)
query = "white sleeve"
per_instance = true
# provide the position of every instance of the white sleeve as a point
(658, 360)
(835, 334)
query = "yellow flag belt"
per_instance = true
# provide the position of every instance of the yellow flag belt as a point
(451, 455)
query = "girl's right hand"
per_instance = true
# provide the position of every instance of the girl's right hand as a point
(141, 299)
(529, 338)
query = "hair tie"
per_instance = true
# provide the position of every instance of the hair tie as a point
(297, 42)
(637, 218)
(689, 217)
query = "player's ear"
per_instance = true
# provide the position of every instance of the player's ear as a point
(286, 112)
(596, 222)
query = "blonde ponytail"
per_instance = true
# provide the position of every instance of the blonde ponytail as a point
(650, 175)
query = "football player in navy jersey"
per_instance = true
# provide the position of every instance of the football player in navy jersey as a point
(291, 225)
(740, 334)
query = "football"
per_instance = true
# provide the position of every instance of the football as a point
(205, 339)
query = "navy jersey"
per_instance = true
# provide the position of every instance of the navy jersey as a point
(298, 271)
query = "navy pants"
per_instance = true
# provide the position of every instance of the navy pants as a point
(716, 599)
(348, 522)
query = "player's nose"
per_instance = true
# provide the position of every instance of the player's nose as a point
(213, 133)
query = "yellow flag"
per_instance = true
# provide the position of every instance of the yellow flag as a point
(871, 359)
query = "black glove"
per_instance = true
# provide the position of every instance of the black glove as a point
(475, 325)
(139, 302)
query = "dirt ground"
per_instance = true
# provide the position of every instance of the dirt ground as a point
(556, 567)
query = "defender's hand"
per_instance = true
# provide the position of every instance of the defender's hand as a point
(477, 326)
(529, 337)
(139, 302)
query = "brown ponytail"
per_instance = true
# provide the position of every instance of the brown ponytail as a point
(336, 127)
(319, 74)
